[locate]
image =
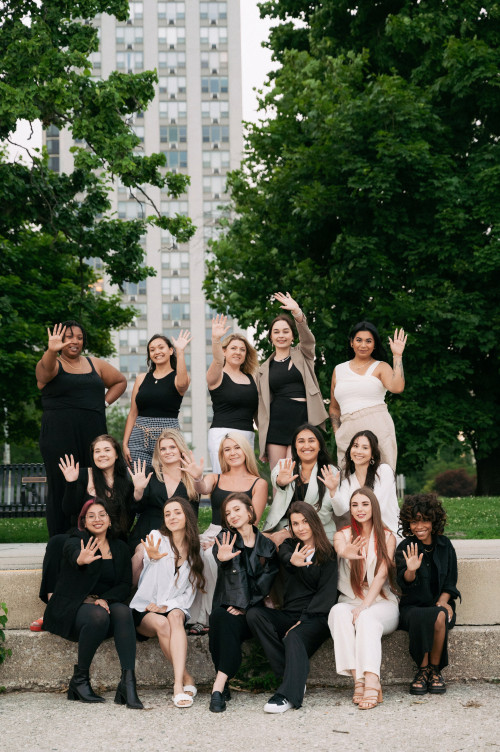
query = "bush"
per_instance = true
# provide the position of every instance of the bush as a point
(455, 483)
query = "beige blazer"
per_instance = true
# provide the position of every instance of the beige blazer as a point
(302, 356)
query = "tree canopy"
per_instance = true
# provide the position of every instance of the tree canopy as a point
(371, 190)
(55, 227)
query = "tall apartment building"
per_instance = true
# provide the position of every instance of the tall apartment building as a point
(195, 120)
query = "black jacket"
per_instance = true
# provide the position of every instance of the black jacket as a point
(419, 592)
(309, 591)
(247, 579)
(76, 582)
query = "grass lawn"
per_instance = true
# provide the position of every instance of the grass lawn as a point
(468, 517)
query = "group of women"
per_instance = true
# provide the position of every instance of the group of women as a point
(324, 562)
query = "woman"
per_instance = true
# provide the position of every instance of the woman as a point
(232, 388)
(156, 396)
(247, 564)
(75, 391)
(307, 476)
(239, 474)
(289, 393)
(362, 467)
(173, 571)
(358, 390)
(88, 604)
(367, 607)
(427, 576)
(292, 635)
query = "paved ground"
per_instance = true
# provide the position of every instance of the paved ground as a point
(466, 718)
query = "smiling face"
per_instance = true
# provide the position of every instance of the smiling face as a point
(301, 528)
(361, 451)
(233, 453)
(237, 514)
(307, 446)
(235, 353)
(73, 342)
(281, 334)
(97, 519)
(160, 352)
(422, 529)
(169, 452)
(175, 519)
(361, 508)
(363, 344)
(105, 455)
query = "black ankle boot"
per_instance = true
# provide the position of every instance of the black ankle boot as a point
(126, 692)
(80, 689)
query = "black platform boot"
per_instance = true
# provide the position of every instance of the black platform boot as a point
(126, 692)
(80, 689)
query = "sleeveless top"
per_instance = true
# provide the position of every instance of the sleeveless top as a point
(234, 404)
(355, 392)
(217, 497)
(158, 398)
(284, 381)
(70, 391)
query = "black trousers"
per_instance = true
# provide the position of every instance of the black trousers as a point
(93, 625)
(52, 565)
(288, 656)
(226, 635)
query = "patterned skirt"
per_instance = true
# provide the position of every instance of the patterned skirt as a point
(145, 434)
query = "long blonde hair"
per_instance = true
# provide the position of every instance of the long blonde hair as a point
(250, 462)
(180, 442)
(251, 363)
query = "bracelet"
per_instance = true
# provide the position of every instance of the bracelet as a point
(106, 404)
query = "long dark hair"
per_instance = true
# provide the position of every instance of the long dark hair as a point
(192, 538)
(379, 352)
(357, 573)
(323, 458)
(173, 357)
(118, 494)
(324, 549)
(349, 466)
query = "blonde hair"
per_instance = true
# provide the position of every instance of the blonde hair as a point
(180, 442)
(250, 462)
(251, 363)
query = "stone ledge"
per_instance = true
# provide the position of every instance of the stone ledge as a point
(41, 661)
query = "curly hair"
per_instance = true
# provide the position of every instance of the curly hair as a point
(192, 539)
(422, 507)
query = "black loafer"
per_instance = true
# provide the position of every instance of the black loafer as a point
(217, 702)
(226, 692)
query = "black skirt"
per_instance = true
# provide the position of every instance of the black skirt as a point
(419, 622)
(286, 416)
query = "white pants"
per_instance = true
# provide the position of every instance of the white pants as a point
(215, 436)
(202, 604)
(359, 646)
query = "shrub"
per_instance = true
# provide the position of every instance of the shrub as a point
(455, 483)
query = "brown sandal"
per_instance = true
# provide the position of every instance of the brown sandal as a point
(358, 695)
(373, 699)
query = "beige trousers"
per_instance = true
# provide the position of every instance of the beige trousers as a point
(375, 419)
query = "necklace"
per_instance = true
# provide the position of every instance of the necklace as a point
(69, 364)
(428, 550)
(282, 360)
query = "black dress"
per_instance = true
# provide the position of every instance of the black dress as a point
(288, 412)
(417, 608)
(73, 416)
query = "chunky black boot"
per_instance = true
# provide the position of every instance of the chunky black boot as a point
(80, 689)
(126, 692)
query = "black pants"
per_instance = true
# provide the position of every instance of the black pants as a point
(93, 625)
(288, 656)
(226, 635)
(52, 565)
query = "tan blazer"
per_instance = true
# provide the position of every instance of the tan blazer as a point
(302, 358)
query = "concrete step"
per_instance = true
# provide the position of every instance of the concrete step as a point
(44, 662)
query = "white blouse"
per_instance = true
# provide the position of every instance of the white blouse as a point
(354, 391)
(160, 584)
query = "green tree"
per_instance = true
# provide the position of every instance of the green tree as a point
(53, 227)
(370, 189)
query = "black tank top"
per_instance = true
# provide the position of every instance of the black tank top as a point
(234, 404)
(217, 497)
(70, 391)
(285, 381)
(158, 398)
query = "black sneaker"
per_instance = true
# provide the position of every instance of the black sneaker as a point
(277, 704)
(217, 703)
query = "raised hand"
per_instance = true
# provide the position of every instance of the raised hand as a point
(88, 553)
(151, 549)
(191, 467)
(355, 549)
(219, 327)
(397, 344)
(182, 340)
(225, 552)
(298, 558)
(56, 341)
(138, 475)
(287, 302)
(285, 475)
(330, 478)
(413, 560)
(68, 468)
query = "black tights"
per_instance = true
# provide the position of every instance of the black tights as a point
(93, 625)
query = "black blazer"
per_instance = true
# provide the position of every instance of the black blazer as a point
(247, 579)
(76, 582)
(309, 591)
(418, 592)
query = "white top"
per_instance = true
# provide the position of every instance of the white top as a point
(384, 489)
(344, 582)
(354, 391)
(160, 584)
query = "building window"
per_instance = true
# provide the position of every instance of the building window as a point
(215, 185)
(135, 10)
(173, 134)
(134, 288)
(172, 85)
(214, 85)
(176, 159)
(172, 208)
(133, 337)
(175, 311)
(171, 35)
(175, 286)
(213, 36)
(214, 11)
(213, 60)
(130, 210)
(172, 11)
(216, 160)
(172, 60)
(175, 260)
(215, 133)
(129, 35)
(129, 61)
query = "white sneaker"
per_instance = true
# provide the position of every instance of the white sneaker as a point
(277, 704)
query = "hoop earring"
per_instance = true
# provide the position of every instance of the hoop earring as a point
(372, 461)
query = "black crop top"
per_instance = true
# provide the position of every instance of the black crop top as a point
(285, 381)
(234, 404)
(158, 398)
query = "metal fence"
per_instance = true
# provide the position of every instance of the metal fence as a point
(23, 490)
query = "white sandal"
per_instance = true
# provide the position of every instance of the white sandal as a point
(190, 690)
(182, 698)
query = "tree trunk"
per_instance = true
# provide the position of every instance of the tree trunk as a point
(488, 474)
